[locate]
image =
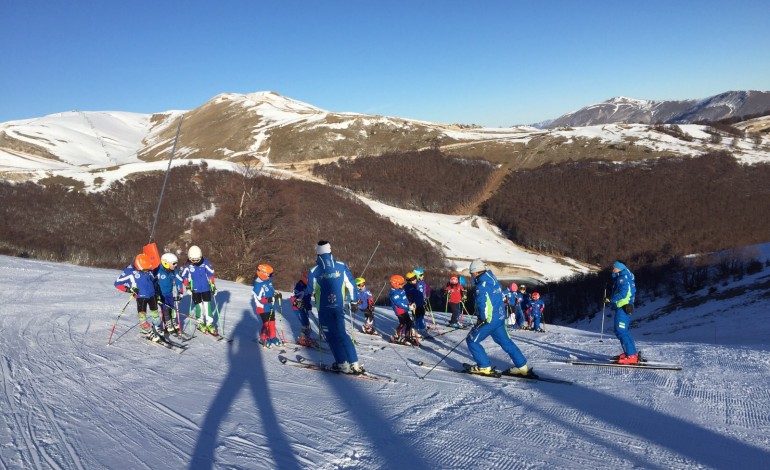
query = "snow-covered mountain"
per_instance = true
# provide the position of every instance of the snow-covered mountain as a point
(68, 400)
(629, 110)
(89, 145)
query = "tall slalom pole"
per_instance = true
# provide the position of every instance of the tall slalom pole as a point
(601, 338)
(370, 259)
(163, 188)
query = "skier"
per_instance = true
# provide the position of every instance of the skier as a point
(417, 298)
(264, 295)
(198, 278)
(491, 322)
(405, 333)
(524, 304)
(168, 277)
(366, 303)
(622, 292)
(332, 285)
(137, 279)
(423, 285)
(515, 303)
(300, 303)
(455, 293)
(535, 312)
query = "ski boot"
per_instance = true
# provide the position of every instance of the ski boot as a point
(475, 369)
(144, 326)
(629, 360)
(212, 330)
(307, 341)
(203, 328)
(356, 368)
(343, 367)
(522, 371)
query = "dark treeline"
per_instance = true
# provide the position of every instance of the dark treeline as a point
(425, 180)
(645, 213)
(103, 229)
(580, 296)
(256, 219)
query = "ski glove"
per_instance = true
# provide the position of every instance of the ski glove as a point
(277, 296)
(213, 288)
(628, 308)
(299, 303)
(353, 307)
(412, 307)
(132, 290)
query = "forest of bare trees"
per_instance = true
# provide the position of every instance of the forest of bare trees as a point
(256, 219)
(644, 212)
(425, 180)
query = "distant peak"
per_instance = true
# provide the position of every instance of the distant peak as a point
(625, 99)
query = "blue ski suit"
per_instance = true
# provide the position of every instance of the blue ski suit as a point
(302, 313)
(490, 310)
(622, 292)
(331, 283)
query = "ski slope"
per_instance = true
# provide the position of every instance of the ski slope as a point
(70, 401)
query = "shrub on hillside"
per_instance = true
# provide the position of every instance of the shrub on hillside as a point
(425, 180)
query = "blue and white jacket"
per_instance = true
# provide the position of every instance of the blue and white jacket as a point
(489, 298)
(331, 283)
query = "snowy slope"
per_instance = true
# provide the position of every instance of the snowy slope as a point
(67, 400)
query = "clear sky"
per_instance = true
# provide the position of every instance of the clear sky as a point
(495, 63)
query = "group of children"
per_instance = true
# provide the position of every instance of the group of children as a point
(525, 311)
(163, 285)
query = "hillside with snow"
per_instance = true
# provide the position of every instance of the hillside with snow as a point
(69, 400)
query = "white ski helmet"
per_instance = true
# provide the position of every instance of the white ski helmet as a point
(169, 260)
(195, 254)
(477, 266)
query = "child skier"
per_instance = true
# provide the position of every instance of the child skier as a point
(416, 298)
(535, 312)
(137, 279)
(424, 288)
(366, 304)
(455, 293)
(514, 302)
(524, 303)
(198, 278)
(168, 277)
(300, 303)
(264, 295)
(405, 333)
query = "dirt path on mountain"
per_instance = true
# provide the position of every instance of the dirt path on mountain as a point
(491, 187)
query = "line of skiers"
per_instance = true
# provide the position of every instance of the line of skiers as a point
(335, 291)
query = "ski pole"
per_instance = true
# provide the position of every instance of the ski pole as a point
(352, 325)
(442, 359)
(380, 293)
(216, 306)
(601, 338)
(125, 332)
(280, 315)
(109, 340)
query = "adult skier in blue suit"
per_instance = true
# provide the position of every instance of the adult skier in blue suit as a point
(331, 283)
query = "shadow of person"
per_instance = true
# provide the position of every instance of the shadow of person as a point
(246, 369)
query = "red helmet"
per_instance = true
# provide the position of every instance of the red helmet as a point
(535, 296)
(142, 262)
(454, 280)
(264, 271)
(397, 281)
(514, 287)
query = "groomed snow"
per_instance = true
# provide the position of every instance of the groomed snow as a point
(71, 401)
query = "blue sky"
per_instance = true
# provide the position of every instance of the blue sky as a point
(495, 63)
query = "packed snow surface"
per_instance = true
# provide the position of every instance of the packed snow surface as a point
(68, 400)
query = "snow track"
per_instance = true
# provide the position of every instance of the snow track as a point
(69, 401)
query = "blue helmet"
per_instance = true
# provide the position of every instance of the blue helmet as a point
(419, 272)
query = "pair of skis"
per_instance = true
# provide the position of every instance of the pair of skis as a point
(495, 374)
(178, 348)
(303, 363)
